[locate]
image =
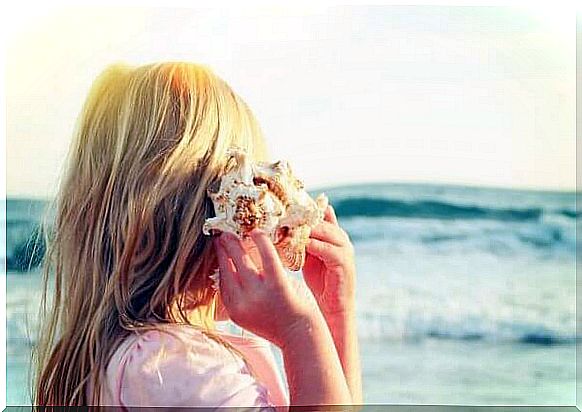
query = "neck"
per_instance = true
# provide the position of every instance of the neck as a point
(202, 315)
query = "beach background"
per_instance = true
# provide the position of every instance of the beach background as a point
(464, 295)
(444, 136)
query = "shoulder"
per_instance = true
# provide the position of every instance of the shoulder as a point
(179, 343)
(181, 366)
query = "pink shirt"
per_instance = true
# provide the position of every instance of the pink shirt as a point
(159, 369)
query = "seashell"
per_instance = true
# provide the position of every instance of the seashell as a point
(266, 196)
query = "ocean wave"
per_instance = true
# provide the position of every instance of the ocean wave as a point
(544, 236)
(374, 326)
(569, 213)
(497, 222)
(426, 209)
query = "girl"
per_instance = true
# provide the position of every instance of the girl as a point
(131, 322)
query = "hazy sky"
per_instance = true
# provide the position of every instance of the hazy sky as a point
(469, 95)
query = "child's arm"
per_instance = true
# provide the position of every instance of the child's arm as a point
(330, 273)
(314, 373)
(263, 302)
(345, 337)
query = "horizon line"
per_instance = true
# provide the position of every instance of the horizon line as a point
(323, 187)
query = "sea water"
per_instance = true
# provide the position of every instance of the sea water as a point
(464, 295)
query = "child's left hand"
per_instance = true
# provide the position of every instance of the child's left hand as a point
(329, 268)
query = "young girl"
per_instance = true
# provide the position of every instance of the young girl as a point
(131, 322)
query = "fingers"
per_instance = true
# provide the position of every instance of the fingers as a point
(224, 262)
(235, 250)
(329, 232)
(327, 252)
(253, 252)
(271, 262)
(229, 282)
(329, 215)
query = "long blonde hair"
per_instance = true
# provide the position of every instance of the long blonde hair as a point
(126, 251)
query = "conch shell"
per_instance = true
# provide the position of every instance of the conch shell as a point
(269, 197)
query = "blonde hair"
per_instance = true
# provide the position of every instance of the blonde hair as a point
(126, 249)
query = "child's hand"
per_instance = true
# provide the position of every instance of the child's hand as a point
(329, 269)
(257, 294)
(259, 297)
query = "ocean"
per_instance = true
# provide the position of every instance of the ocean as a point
(464, 295)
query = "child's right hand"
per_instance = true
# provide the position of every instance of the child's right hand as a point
(257, 294)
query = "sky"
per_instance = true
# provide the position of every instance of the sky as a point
(480, 96)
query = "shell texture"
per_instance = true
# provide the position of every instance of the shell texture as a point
(269, 197)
